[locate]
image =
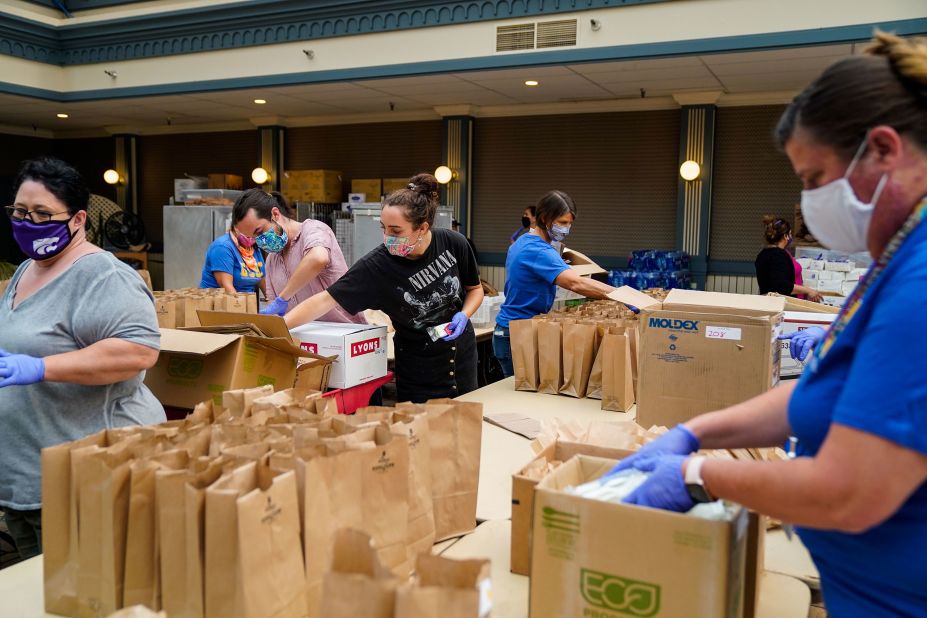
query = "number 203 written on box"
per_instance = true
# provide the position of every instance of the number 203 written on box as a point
(723, 332)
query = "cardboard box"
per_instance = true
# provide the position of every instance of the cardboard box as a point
(523, 494)
(361, 350)
(225, 181)
(806, 306)
(599, 559)
(817, 265)
(394, 184)
(198, 364)
(830, 285)
(809, 275)
(581, 264)
(357, 198)
(834, 301)
(371, 187)
(703, 351)
(794, 321)
(188, 184)
(321, 186)
(847, 287)
(840, 267)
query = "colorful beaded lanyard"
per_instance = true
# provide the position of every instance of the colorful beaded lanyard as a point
(855, 301)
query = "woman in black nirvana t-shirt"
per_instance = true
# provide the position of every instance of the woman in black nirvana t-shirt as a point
(420, 277)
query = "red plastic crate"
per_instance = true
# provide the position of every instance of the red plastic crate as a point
(350, 399)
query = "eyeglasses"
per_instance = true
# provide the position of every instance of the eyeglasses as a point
(16, 213)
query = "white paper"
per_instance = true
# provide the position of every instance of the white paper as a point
(723, 332)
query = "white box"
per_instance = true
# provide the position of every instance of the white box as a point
(830, 286)
(804, 262)
(840, 267)
(811, 275)
(856, 274)
(817, 264)
(794, 321)
(848, 287)
(834, 301)
(357, 198)
(361, 350)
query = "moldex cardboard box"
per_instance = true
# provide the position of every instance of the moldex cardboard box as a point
(360, 348)
(792, 322)
(703, 351)
(605, 560)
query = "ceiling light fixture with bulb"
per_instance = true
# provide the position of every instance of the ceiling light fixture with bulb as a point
(260, 176)
(62, 115)
(260, 101)
(690, 170)
(112, 177)
(532, 82)
(444, 174)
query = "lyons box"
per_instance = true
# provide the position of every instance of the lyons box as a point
(600, 559)
(792, 322)
(703, 351)
(361, 350)
(523, 494)
(228, 352)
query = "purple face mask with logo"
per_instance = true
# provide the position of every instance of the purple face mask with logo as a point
(41, 241)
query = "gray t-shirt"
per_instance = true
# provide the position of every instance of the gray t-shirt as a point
(97, 298)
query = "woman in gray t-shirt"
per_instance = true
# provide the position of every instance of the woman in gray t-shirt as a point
(77, 331)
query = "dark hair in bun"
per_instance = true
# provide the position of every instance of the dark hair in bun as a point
(775, 229)
(419, 199)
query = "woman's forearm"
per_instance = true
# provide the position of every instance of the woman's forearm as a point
(473, 300)
(758, 422)
(104, 362)
(310, 309)
(309, 268)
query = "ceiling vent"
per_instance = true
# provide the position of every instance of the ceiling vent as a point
(540, 35)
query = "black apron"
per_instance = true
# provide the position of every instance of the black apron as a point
(436, 370)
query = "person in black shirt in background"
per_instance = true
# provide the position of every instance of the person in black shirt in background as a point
(420, 277)
(776, 269)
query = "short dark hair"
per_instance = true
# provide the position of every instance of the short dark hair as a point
(552, 206)
(775, 229)
(419, 199)
(533, 210)
(261, 202)
(887, 86)
(61, 180)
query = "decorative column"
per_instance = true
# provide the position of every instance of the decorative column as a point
(693, 210)
(457, 154)
(271, 155)
(126, 164)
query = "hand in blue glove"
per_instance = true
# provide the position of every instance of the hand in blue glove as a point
(20, 369)
(665, 488)
(803, 341)
(457, 326)
(677, 441)
(276, 307)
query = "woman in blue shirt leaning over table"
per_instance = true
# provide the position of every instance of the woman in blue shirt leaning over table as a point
(534, 269)
(232, 261)
(857, 490)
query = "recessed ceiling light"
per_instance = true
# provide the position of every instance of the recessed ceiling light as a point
(62, 115)
(260, 101)
(531, 82)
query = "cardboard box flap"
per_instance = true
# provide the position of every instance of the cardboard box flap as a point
(335, 328)
(629, 296)
(581, 263)
(721, 302)
(270, 325)
(286, 346)
(192, 342)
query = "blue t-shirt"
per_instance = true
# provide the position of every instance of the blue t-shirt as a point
(223, 256)
(873, 380)
(532, 266)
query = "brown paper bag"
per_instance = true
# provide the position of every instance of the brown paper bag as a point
(446, 588)
(550, 360)
(524, 341)
(617, 380)
(578, 354)
(366, 489)
(167, 312)
(456, 430)
(421, 528)
(239, 402)
(357, 585)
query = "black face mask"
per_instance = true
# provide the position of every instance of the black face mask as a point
(525, 222)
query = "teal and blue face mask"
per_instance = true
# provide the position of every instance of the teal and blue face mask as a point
(271, 241)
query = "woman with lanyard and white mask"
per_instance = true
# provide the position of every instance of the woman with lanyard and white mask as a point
(857, 490)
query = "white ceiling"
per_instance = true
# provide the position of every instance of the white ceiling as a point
(737, 73)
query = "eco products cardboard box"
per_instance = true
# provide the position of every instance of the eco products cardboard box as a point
(361, 350)
(321, 186)
(703, 351)
(523, 484)
(228, 352)
(581, 264)
(394, 184)
(371, 187)
(600, 559)
(794, 321)
(225, 181)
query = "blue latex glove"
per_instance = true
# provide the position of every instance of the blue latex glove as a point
(803, 341)
(276, 307)
(458, 325)
(20, 369)
(677, 441)
(665, 488)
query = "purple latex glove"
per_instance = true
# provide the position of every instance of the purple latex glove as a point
(276, 307)
(20, 369)
(665, 488)
(677, 441)
(803, 341)
(457, 326)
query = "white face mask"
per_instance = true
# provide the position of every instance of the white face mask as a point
(835, 216)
